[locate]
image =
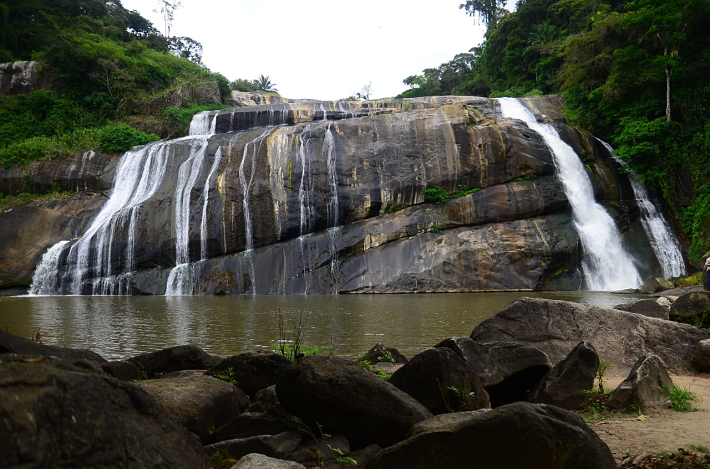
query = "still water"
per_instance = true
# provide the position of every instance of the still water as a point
(121, 327)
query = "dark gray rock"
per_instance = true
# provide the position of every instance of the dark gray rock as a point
(342, 397)
(508, 371)
(266, 401)
(200, 403)
(565, 385)
(649, 308)
(692, 308)
(10, 343)
(180, 357)
(441, 381)
(253, 370)
(379, 353)
(253, 424)
(275, 446)
(701, 356)
(556, 327)
(313, 452)
(120, 369)
(260, 461)
(56, 416)
(644, 387)
(500, 439)
(655, 284)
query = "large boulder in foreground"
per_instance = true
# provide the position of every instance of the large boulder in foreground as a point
(201, 403)
(565, 385)
(620, 338)
(442, 381)
(519, 435)
(178, 358)
(56, 416)
(253, 371)
(342, 397)
(644, 387)
(507, 370)
(10, 343)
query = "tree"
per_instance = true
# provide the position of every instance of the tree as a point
(488, 11)
(167, 9)
(186, 48)
(264, 84)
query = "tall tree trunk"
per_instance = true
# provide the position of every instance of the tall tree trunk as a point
(668, 89)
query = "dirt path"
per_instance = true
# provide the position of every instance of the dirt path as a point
(661, 430)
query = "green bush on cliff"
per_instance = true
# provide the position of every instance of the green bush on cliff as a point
(122, 138)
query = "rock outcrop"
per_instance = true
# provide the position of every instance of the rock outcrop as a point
(311, 197)
(500, 439)
(644, 387)
(620, 338)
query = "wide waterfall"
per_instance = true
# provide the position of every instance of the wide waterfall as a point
(664, 243)
(605, 264)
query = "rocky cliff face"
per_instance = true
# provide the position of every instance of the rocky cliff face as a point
(309, 197)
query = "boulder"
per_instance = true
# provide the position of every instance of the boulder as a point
(501, 438)
(556, 327)
(379, 353)
(260, 461)
(701, 356)
(655, 284)
(275, 446)
(266, 401)
(10, 343)
(565, 384)
(56, 416)
(181, 357)
(644, 387)
(441, 381)
(251, 424)
(253, 370)
(342, 397)
(507, 370)
(649, 308)
(120, 369)
(692, 308)
(200, 403)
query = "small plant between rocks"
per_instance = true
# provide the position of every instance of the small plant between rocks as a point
(680, 398)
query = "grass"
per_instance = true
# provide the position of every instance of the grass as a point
(680, 398)
(594, 406)
(227, 375)
(24, 199)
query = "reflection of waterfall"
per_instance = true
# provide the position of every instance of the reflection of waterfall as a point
(605, 263)
(664, 243)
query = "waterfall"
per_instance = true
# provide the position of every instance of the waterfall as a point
(605, 264)
(205, 202)
(304, 189)
(664, 243)
(203, 123)
(44, 280)
(332, 206)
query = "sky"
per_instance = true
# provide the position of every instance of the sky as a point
(322, 49)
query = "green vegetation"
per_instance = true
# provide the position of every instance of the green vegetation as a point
(680, 398)
(367, 366)
(595, 406)
(439, 195)
(24, 198)
(463, 401)
(601, 372)
(227, 375)
(633, 72)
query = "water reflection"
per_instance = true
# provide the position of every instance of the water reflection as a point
(119, 327)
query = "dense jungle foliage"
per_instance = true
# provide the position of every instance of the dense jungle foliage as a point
(635, 73)
(114, 81)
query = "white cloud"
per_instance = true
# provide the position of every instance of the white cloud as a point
(323, 49)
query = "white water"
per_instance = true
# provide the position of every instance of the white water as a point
(305, 206)
(205, 201)
(605, 263)
(663, 242)
(333, 204)
(45, 277)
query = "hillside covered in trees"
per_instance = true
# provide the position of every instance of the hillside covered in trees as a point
(113, 80)
(635, 73)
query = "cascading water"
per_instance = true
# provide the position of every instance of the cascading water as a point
(605, 264)
(333, 203)
(663, 242)
(44, 281)
(246, 187)
(205, 203)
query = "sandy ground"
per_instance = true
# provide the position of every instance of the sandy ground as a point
(661, 430)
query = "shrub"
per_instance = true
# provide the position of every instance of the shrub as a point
(122, 137)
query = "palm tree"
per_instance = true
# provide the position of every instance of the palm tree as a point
(264, 84)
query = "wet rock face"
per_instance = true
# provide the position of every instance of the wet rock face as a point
(329, 197)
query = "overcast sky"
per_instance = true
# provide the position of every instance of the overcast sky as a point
(323, 49)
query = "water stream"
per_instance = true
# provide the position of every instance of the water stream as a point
(605, 263)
